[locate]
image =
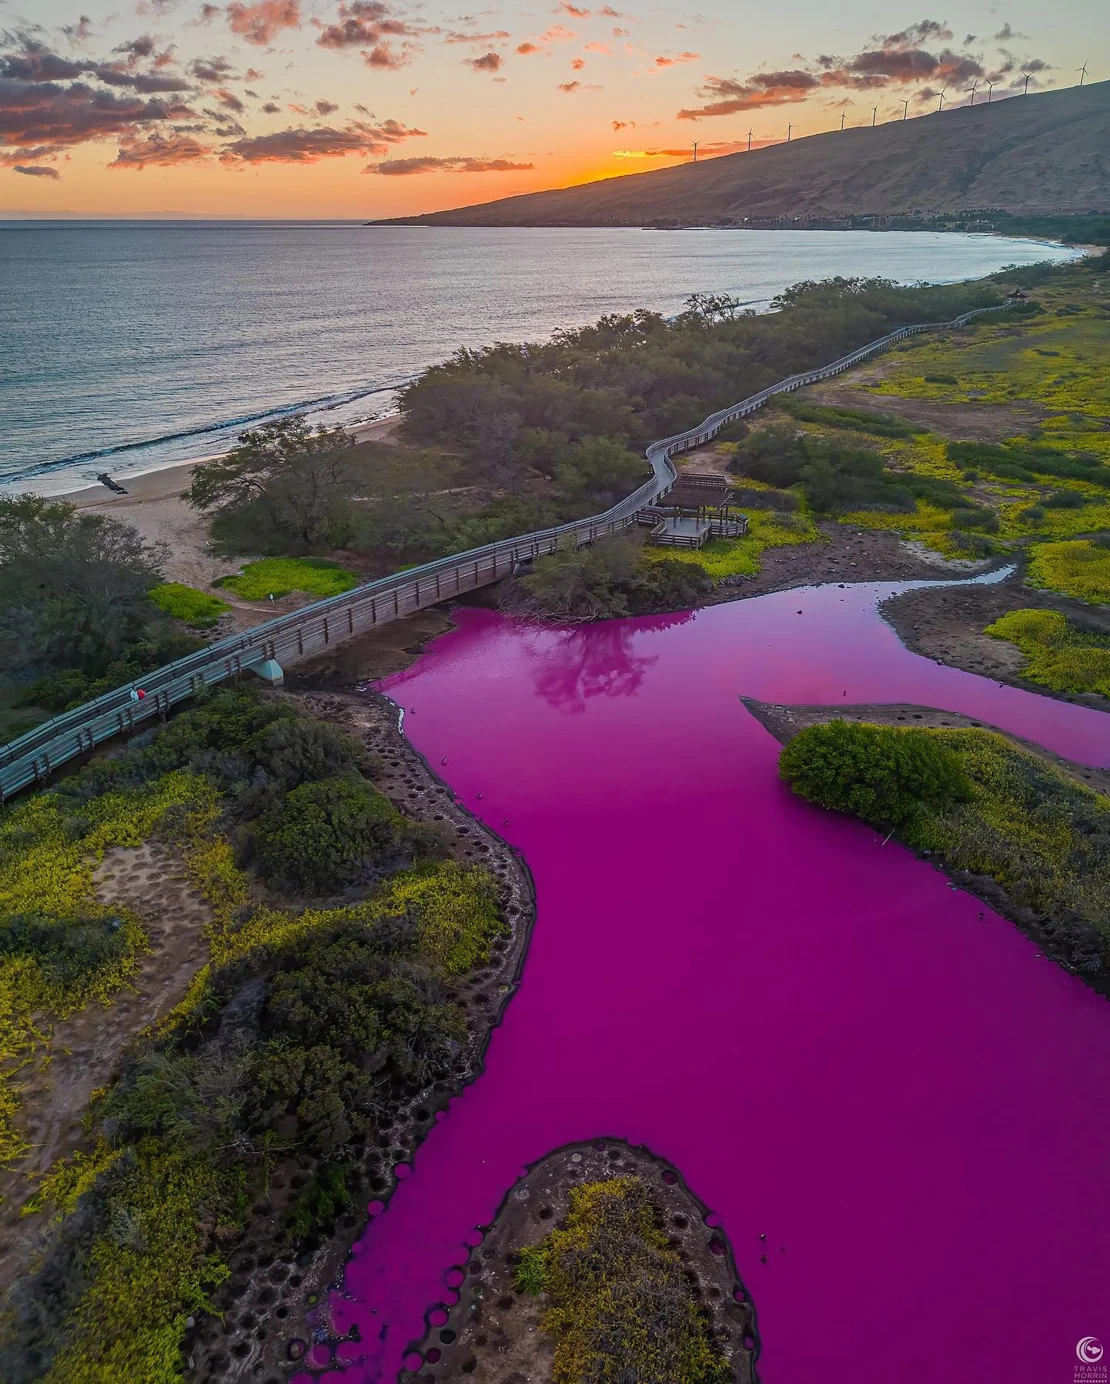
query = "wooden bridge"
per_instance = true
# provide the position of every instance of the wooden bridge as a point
(266, 649)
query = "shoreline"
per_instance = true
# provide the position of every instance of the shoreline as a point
(368, 430)
(165, 482)
(785, 721)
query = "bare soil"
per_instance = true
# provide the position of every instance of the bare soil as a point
(493, 1333)
(86, 1050)
(947, 623)
(845, 554)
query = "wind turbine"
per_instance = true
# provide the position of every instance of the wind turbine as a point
(905, 110)
(695, 151)
(941, 107)
(974, 89)
(749, 141)
(842, 122)
(1026, 75)
(874, 113)
(1082, 71)
(789, 128)
(990, 92)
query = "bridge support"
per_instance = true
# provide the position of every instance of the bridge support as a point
(271, 671)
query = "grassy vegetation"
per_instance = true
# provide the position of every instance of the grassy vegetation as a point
(729, 557)
(294, 1043)
(1077, 568)
(1058, 655)
(1050, 480)
(278, 576)
(618, 1302)
(199, 609)
(1012, 816)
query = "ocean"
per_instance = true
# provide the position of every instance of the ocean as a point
(130, 346)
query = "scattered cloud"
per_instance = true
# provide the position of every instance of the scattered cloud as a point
(159, 151)
(488, 62)
(664, 61)
(326, 107)
(270, 108)
(564, 7)
(216, 69)
(229, 99)
(303, 145)
(577, 64)
(525, 48)
(455, 36)
(36, 170)
(261, 22)
(726, 96)
(595, 47)
(385, 57)
(363, 24)
(78, 34)
(401, 168)
(46, 113)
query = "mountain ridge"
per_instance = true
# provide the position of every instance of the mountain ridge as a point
(1026, 155)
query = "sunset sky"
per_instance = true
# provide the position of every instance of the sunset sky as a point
(362, 108)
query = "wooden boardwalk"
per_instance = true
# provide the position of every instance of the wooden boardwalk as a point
(267, 648)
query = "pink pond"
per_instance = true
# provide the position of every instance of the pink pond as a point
(837, 1049)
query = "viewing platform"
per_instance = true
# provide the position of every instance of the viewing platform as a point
(697, 507)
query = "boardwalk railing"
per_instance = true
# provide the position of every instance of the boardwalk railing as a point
(31, 758)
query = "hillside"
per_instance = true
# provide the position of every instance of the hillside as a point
(1035, 154)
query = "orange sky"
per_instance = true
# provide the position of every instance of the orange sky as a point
(363, 108)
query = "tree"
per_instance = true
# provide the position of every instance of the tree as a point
(884, 774)
(316, 838)
(288, 478)
(73, 588)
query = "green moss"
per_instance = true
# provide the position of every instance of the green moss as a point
(619, 1303)
(1077, 568)
(278, 576)
(1058, 655)
(186, 603)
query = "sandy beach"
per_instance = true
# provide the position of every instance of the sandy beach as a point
(154, 506)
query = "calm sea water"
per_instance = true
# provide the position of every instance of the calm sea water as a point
(131, 346)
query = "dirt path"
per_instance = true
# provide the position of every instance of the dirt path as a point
(87, 1048)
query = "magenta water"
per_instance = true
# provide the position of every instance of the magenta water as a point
(839, 1050)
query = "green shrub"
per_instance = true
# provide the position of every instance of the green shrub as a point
(278, 576)
(882, 774)
(941, 379)
(879, 424)
(1066, 499)
(186, 603)
(318, 838)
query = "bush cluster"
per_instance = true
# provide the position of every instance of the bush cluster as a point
(605, 580)
(295, 1043)
(885, 775)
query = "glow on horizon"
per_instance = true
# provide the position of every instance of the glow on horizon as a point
(369, 108)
